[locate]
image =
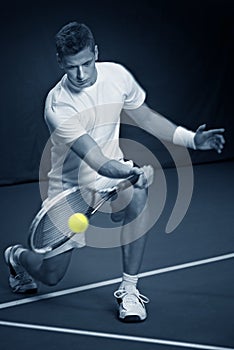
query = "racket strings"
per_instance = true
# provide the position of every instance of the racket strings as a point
(53, 228)
(50, 228)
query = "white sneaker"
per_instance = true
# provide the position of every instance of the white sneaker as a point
(19, 280)
(131, 308)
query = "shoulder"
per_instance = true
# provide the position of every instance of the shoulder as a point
(57, 104)
(54, 94)
(112, 67)
(116, 74)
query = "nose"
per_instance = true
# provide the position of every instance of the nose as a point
(80, 72)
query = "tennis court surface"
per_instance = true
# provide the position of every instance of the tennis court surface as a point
(188, 276)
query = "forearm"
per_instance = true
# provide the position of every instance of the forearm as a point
(88, 150)
(114, 169)
(161, 127)
(153, 122)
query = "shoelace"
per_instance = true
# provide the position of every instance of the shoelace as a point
(23, 277)
(131, 296)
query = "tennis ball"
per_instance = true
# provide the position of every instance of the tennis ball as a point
(78, 222)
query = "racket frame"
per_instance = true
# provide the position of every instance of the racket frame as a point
(106, 194)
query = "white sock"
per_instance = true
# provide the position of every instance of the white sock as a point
(17, 253)
(128, 279)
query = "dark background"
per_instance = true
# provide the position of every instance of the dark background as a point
(181, 52)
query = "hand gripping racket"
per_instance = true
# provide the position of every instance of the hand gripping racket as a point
(49, 233)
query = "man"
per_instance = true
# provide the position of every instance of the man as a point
(83, 115)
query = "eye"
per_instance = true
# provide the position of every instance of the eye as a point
(70, 67)
(88, 63)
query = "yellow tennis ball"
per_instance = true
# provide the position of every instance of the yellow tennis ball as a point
(78, 222)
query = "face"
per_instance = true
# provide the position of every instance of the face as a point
(80, 68)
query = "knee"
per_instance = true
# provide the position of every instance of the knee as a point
(53, 270)
(137, 204)
(50, 277)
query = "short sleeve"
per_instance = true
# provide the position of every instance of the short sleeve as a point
(65, 128)
(135, 95)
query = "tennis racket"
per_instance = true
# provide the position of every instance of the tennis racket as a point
(49, 233)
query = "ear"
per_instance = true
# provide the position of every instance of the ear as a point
(96, 52)
(60, 63)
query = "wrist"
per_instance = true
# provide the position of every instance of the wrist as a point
(184, 137)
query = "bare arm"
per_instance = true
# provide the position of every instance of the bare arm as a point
(164, 129)
(88, 150)
(152, 122)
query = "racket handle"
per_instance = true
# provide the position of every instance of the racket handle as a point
(148, 172)
(131, 180)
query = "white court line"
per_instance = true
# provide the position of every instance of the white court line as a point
(113, 281)
(113, 336)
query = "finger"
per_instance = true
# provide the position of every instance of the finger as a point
(140, 173)
(201, 128)
(215, 144)
(219, 147)
(141, 182)
(136, 171)
(215, 131)
(220, 138)
(146, 177)
(148, 174)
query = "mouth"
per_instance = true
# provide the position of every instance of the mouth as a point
(80, 82)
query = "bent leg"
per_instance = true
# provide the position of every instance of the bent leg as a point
(48, 271)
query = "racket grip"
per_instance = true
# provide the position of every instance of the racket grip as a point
(134, 178)
(131, 180)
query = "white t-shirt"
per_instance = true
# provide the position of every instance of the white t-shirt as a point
(94, 110)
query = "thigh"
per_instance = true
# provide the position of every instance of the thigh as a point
(122, 199)
(130, 202)
(137, 204)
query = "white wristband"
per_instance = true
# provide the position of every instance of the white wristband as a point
(184, 137)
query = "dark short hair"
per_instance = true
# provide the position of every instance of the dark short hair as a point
(72, 38)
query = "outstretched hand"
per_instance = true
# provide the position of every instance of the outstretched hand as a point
(211, 139)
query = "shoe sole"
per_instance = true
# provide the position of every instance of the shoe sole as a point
(131, 319)
(25, 292)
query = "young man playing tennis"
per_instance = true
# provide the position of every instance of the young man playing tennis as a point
(83, 115)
